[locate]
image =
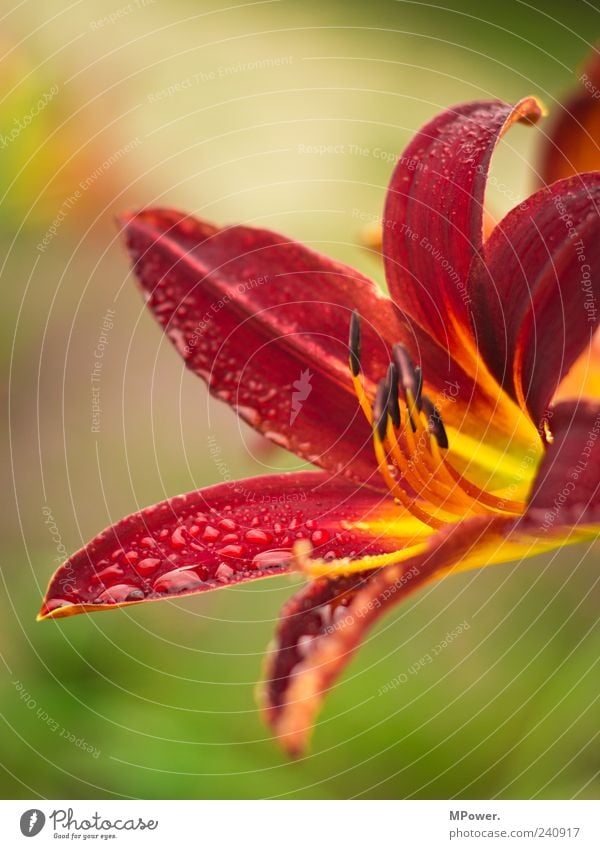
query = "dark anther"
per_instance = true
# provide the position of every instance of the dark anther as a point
(436, 425)
(409, 374)
(354, 343)
(394, 404)
(380, 408)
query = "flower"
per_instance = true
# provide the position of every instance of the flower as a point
(429, 413)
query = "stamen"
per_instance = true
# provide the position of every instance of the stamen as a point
(419, 510)
(394, 403)
(345, 565)
(435, 423)
(422, 478)
(410, 375)
(354, 343)
(380, 409)
(412, 460)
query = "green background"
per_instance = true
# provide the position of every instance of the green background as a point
(164, 693)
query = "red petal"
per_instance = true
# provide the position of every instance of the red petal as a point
(566, 492)
(434, 212)
(536, 298)
(572, 142)
(323, 625)
(265, 322)
(215, 537)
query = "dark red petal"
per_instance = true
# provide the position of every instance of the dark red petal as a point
(433, 220)
(215, 537)
(264, 320)
(572, 142)
(566, 492)
(323, 625)
(536, 294)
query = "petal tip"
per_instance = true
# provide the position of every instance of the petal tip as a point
(529, 110)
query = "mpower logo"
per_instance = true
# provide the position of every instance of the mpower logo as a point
(32, 822)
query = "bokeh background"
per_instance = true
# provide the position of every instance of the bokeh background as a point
(213, 107)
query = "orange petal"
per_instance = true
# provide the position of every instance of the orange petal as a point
(571, 146)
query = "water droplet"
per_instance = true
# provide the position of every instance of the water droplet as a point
(147, 542)
(230, 538)
(224, 573)
(319, 537)
(210, 533)
(131, 557)
(120, 593)
(228, 525)
(177, 537)
(269, 559)
(231, 551)
(148, 565)
(305, 644)
(179, 580)
(278, 438)
(311, 524)
(55, 603)
(258, 537)
(106, 575)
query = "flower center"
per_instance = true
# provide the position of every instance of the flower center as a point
(411, 444)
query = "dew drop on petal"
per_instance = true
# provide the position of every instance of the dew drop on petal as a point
(231, 551)
(179, 580)
(177, 537)
(274, 557)
(319, 537)
(148, 565)
(119, 593)
(258, 537)
(224, 573)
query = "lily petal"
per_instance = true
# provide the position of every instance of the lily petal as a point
(536, 292)
(566, 495)
(572, 143)
(323, 625)
(583, 379)
(434, 218)
(219, 536)
(264, 321)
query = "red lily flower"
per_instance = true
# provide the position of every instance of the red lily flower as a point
(454, 463)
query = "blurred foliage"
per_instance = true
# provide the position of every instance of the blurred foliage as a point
(217, 110)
